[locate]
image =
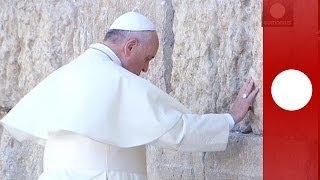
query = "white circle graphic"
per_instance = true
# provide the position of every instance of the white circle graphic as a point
(291, 90)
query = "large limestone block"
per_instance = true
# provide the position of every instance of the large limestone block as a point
(19, 160)
(241, 160)
(218, 44)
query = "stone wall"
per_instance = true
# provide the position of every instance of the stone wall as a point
(207, 50)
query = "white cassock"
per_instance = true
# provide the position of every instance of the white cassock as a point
(95, 118)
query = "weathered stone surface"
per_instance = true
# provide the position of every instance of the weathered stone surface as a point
(217, 45)
(241, 160)
(3, 111)
(19, 160)
(207, 49)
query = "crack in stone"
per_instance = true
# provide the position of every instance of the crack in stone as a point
(168, 40)
(203, 161)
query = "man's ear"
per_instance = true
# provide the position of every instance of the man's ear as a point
(130, 46)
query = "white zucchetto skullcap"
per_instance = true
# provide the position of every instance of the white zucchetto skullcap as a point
(133, 21)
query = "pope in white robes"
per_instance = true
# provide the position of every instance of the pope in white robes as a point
(95, 114)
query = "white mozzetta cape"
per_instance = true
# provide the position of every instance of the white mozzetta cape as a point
(95, 97)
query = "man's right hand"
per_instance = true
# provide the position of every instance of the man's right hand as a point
(244, 100)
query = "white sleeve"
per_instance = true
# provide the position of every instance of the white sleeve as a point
(230, 120)
(204, 133)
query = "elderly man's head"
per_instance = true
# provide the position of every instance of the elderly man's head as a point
(134, 48)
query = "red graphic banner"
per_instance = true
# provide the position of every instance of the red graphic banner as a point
(291, 41)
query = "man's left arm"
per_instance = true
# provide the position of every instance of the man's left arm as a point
(208, 132)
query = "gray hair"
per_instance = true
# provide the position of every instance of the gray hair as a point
(115, 36)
